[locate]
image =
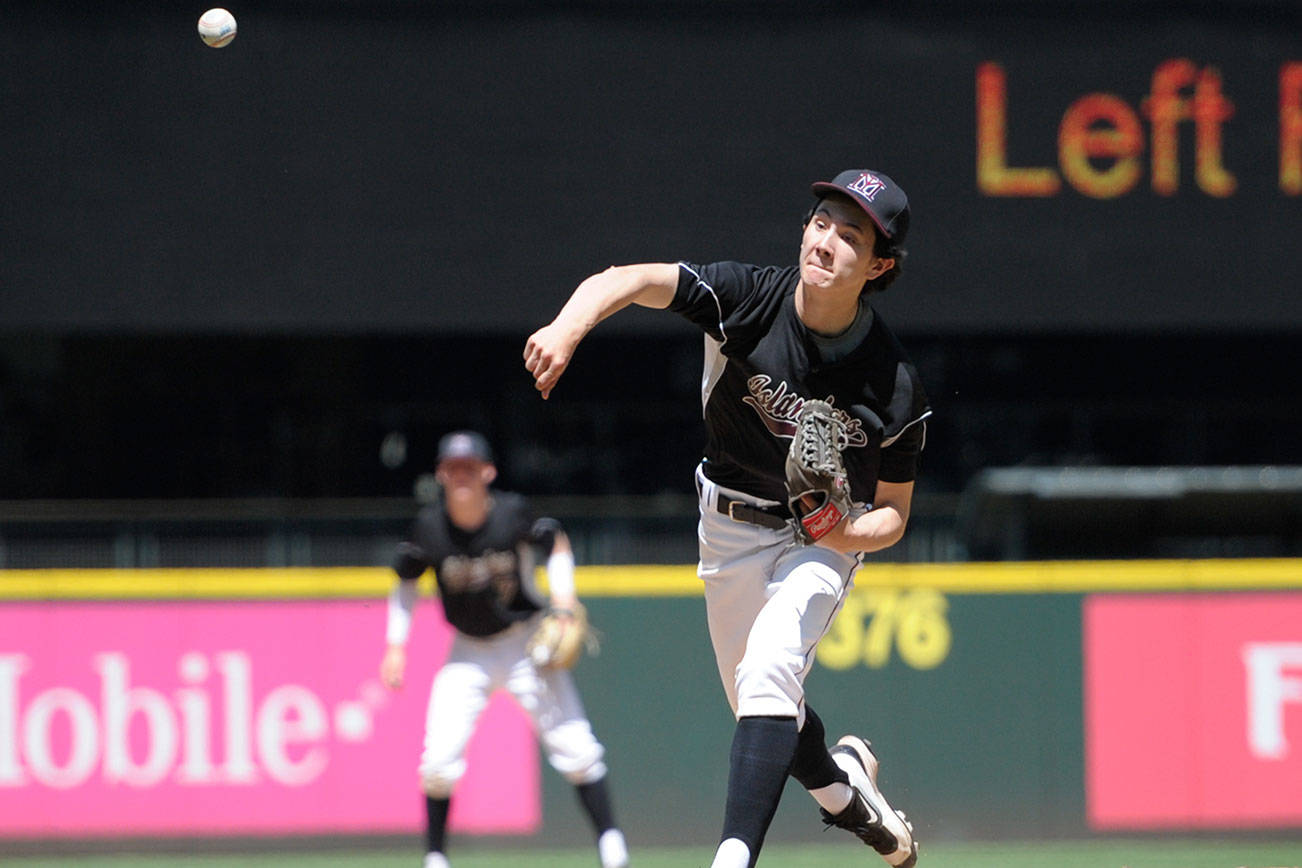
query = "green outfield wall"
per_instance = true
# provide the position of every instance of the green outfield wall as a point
(970, 679)
(973, 700)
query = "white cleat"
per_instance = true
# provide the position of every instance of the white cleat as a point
(869, 815)
(436, 860)
(612, 849)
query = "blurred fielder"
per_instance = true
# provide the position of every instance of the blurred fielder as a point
(480, 543)
(814, 420)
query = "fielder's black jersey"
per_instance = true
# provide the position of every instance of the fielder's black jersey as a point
(762, 363)
(485, 576)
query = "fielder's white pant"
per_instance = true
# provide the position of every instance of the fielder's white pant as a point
(768, 600)
(475, 668)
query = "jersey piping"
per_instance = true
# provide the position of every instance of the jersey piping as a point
(889, 440)
(723, 335)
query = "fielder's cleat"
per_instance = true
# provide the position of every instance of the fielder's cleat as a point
(436, 860)
(869, 815)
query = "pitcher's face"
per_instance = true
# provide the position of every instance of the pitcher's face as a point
(836, 250)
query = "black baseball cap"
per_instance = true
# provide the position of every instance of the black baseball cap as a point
(465, 444)
(877, 194)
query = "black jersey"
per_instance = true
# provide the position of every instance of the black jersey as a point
(762, 363)
(485, 576)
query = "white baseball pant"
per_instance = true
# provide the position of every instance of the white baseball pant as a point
(769, 600)
(474, 669)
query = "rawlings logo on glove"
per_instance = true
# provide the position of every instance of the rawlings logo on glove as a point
(562, 635)
(818, 492)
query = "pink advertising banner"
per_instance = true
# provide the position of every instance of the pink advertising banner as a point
(1193, 710)
(180, 718)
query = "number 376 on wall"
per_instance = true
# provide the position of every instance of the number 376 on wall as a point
(874, 620)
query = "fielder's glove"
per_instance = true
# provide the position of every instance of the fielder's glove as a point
(818, 492)
(543, 533)
(562, 635)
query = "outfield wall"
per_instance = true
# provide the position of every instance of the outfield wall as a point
(1005, 699)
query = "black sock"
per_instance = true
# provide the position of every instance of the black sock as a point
(813, 766)
(595, 800)
(436, 823)
(762, 750)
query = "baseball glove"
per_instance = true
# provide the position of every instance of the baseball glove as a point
(818, 492)
(562, 635)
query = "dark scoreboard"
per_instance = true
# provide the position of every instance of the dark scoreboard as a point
(420, 168)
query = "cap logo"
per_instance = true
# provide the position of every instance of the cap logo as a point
(868, 186)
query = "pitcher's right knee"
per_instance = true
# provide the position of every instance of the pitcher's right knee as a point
(769, 685)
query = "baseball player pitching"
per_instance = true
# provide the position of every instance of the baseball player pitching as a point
(480, 543)
(814, 420)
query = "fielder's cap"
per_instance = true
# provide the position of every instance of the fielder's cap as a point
(465, 444)
(877, 194)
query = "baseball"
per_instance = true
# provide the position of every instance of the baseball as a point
(217, 27)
